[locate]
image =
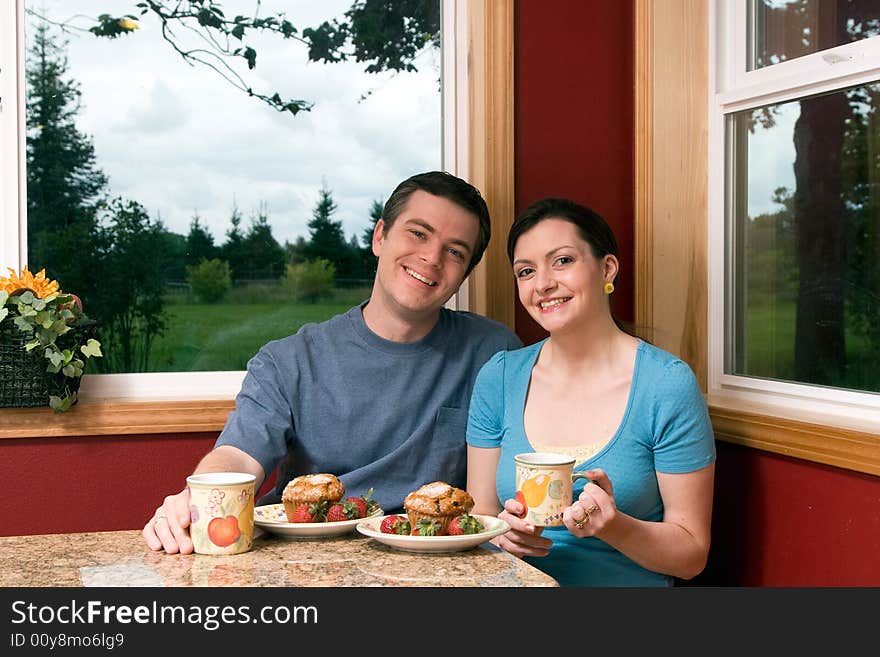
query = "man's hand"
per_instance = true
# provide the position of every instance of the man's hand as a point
(168, 529)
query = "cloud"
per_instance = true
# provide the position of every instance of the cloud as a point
(180, 140)
(771, 160)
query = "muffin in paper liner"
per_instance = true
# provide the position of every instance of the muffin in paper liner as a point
(438, 502)
(311, 489)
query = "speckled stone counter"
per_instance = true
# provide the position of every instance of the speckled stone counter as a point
(121, 558)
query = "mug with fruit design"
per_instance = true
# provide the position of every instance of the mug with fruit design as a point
(221, 512)
(544, 485)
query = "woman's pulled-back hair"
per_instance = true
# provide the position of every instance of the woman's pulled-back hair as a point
(591, 227)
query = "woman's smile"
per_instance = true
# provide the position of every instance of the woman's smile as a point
(552, 305)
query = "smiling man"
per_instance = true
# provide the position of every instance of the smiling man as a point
(378, 395)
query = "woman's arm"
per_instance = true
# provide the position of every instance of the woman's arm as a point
(676, 546)
(482, 466)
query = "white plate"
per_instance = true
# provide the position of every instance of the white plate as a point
(494, 526)
(272, 518)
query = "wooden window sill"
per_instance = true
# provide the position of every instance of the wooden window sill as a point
(852, 448)
(116, 417)
(848, 448)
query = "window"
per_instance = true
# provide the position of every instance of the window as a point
(134, 169)
(794, 315)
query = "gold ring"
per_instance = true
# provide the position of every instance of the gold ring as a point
(580, 524)
(591, 509)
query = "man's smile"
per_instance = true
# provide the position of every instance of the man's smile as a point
(419, 277)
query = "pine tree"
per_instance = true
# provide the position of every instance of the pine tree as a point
(232, 250)
(367, 235)
(199, 243)
(263, 255)
(63, 182)
(367, 261)
(326, 238)
(130, 299)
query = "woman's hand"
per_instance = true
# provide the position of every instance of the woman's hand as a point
(594, 509)
(523, 539)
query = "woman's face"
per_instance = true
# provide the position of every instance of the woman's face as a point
(560, 282)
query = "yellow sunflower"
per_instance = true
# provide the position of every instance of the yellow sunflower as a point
(41, 286)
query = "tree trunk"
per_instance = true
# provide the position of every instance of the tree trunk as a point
(821, 227)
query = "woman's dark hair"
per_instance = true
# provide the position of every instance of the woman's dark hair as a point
(460, 192)
(591, 227)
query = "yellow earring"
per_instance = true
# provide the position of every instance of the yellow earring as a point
(609, 288)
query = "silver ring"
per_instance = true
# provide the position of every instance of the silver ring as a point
(158, 517)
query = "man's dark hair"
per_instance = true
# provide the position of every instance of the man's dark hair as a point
(445, 185)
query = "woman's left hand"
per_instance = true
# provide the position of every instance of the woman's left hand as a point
(594, 508)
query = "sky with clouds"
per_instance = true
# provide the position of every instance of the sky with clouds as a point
(182, 141)
(771, 159)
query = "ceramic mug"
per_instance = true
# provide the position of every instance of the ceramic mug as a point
(221, 512)
(544, 485)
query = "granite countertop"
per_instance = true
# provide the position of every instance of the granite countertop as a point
(121, 558)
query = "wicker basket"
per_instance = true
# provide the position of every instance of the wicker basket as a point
(24, 380)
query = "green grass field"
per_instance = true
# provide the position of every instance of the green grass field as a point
(223, 336)
(770, 348)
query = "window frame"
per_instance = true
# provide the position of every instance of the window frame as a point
(477, 140)
(179, 385)
(733, 89)
(673, 107)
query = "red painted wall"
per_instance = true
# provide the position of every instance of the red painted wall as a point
(574, 120)
(780, 521)
(77, 484)
(101, 483)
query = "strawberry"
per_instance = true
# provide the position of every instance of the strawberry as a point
(394, 525)
(342, 511)
(360, 505)
(464, 524)
(365, 505)
(427, 527)
(309, 513)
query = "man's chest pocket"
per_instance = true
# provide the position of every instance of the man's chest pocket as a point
(450, 426)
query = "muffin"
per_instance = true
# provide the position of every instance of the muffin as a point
(321, 489)
(436, 503)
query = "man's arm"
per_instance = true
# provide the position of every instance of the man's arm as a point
(168, 529)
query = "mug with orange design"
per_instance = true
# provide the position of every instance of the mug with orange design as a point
(544, 485)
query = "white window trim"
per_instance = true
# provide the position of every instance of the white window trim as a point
(161, 386)
(732, 89)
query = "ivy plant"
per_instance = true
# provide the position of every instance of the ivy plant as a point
(46, 321)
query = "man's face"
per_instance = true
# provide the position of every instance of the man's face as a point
(424, 255)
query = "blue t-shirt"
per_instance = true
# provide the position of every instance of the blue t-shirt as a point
(335, 397)
(665, 428)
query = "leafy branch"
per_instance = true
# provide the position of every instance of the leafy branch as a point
(388, 36)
